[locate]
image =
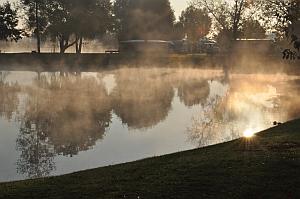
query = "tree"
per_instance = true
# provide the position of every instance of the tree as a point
(252, 29)
(120, 10)
(291, 19)
(37, 18)
(196, 23)
(294, 29)
(143, 19)
(286, 14)
(69, 22)
(229, 16)
(91, 18)
(178, 31)
(8, 24)
(61, 25)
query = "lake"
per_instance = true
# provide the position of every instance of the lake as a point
(54, 123)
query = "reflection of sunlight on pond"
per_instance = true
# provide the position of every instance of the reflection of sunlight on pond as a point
(244, 108)
(90, 119)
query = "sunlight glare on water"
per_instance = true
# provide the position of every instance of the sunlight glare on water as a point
(120, 115)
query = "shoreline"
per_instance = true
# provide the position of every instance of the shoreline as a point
(94, 62)
(263, 166)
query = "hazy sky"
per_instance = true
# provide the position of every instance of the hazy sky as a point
(177, 5)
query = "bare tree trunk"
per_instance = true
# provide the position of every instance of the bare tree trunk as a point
(62, 47)
(78, 44)
(38, 37)
(64, 43)
(239, 5)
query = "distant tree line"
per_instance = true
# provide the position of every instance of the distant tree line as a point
(69, 23)
(251, 18)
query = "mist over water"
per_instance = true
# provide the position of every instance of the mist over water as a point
(60, 122)
(27, 45)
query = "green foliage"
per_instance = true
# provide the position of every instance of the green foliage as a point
(143, 19)
(8, 24)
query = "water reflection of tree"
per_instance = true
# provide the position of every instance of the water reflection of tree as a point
(290, 102)
(64, 114)
(246, 105)
(36, 158)
(77, 111)
(214, 124)
(9, 100)
(142, 98)
(193, 92)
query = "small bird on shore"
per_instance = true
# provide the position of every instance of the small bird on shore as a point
(275, 123)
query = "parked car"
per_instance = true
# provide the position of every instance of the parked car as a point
(145, 46)
(208, 46)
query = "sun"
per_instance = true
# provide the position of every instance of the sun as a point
(248, 133)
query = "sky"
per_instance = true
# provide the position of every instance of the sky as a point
(177, 5)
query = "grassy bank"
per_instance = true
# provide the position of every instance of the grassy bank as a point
(265, 166)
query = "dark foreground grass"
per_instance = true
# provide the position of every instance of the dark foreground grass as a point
(266, 166)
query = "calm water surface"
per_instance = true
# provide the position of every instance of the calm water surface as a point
(57, 123)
